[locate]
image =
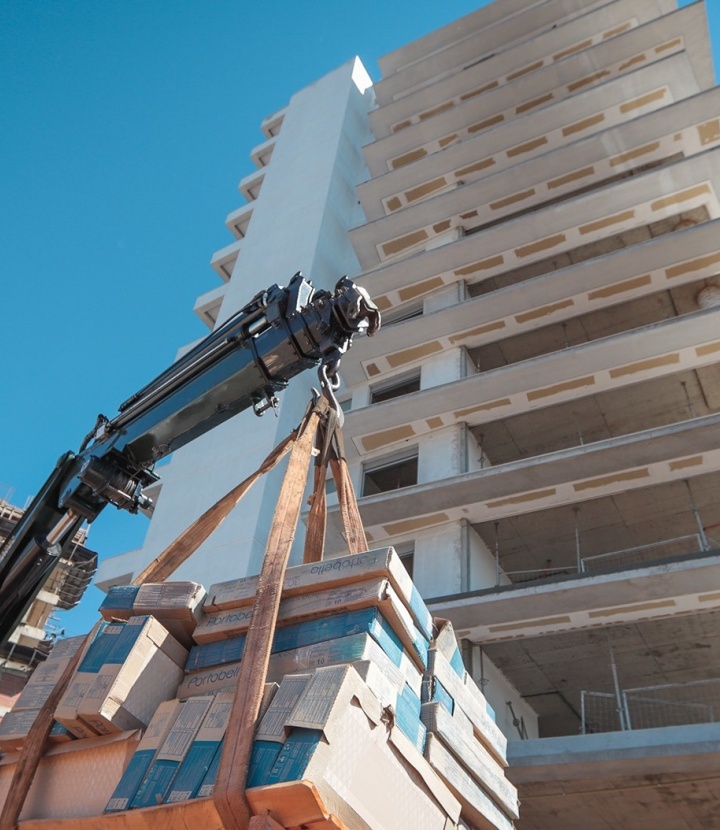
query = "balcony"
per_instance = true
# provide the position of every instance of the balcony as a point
(237, 222)
(272, 123)
(251, 184)
(262, 154)
(207, 306)
(223, 261)
(652, 779)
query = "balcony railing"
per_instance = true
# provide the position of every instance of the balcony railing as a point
(649, 707)
(667, 549)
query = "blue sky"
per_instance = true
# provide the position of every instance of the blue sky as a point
(125, 129)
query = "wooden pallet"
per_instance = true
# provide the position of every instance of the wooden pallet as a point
(297, 804)
(200, 812)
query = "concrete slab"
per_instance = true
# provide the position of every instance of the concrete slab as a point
(670, 749)
(688, 255)
(613, 362)
(579, 601)
(674, 452)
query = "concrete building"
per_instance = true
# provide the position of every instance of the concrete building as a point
(308, 168)
(537, 427)
(542, 235)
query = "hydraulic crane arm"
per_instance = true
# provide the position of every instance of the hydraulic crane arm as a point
(242, 364)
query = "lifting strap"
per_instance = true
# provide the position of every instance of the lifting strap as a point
(330, 451)
(229, 792)
(320, 424)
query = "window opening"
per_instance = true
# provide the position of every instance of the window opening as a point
(392, 476)
(395, 388)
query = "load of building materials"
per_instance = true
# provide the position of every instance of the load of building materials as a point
(176, 605)
(369, 718)
(16, 723)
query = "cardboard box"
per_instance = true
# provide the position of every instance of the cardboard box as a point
(177, 743)
(373, 593)
(135, 772)
(477, 806)
(207, 787)
(118, 602)
(309, 725)
(143, 669)
(66, 647)
(73, 780)
(36, 691)
(433, 690)
(273, 731)
(104, 638)
(340, 747)
(273, 726)
(446, 642)
(458, 737)
(399, 699)
(209, 681)
(41, 683)
(296, 635)
(472, 703)
(14, 728)
(329, 653)
(315, 576)
(197, 761)
(177, 605)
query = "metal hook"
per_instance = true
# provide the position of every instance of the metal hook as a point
(328, 386)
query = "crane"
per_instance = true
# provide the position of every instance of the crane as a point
(243, 363)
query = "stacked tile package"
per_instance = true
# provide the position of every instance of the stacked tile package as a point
(368, 714)
(16, 723)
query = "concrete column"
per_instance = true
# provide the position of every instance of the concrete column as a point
(452, 559)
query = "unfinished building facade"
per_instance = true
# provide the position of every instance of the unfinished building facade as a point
(538, 426)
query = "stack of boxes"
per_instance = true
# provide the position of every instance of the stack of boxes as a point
(463, 744)
(178, 606)
(374, 706)
(16, 723)
(128, 670)
(368, 712)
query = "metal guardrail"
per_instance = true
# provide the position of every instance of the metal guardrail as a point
(537, 575)
(667, 549)
(600, 712)
(649, 707)
(640, 555)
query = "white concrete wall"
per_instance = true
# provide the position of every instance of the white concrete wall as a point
(498, 691)
(300, 221)
(451, 559)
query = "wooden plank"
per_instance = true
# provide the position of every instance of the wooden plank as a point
(199, 812)
(229, 793)
(167, 562)
(293, 804)
(264, 823)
